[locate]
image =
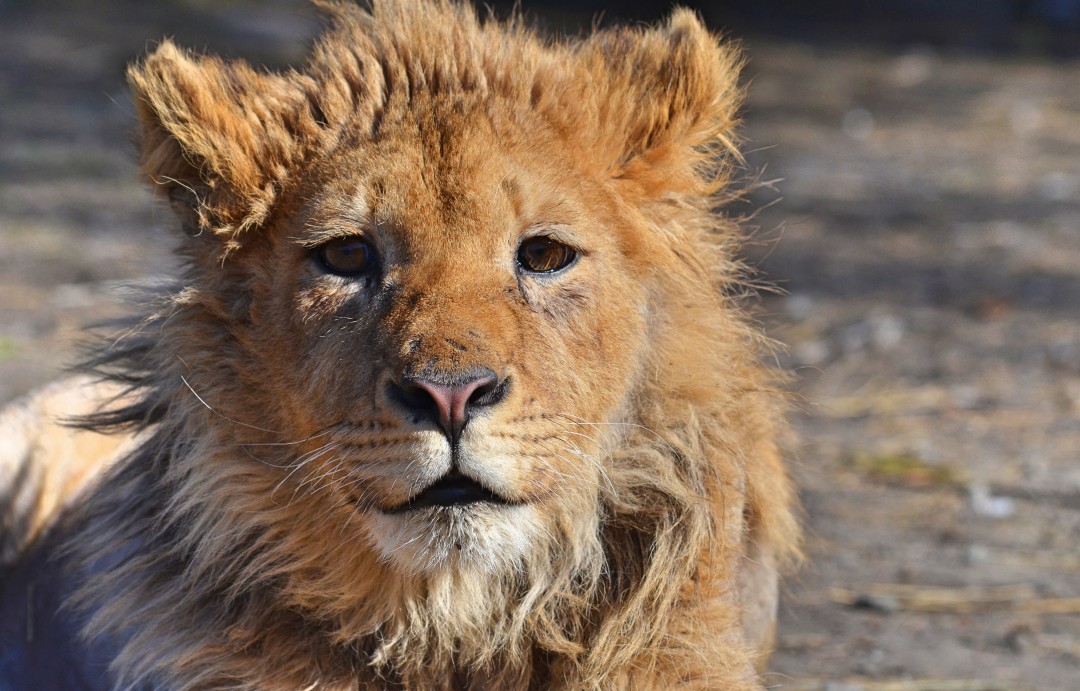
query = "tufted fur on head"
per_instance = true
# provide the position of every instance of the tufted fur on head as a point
(249, 542)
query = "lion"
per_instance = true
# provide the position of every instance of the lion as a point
(454, 389)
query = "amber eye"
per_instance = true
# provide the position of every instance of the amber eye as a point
(350, 256)
(543, 255)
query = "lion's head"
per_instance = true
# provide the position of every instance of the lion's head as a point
(453, 379)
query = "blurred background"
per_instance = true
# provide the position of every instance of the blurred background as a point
(920, 226)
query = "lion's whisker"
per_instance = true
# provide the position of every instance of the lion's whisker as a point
(631, 425)
(301, 462)
(219, 414)
(321, 433)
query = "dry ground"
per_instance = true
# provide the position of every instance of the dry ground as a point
(929, 242)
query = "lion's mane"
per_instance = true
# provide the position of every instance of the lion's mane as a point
(208, 582)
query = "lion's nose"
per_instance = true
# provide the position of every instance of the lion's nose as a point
(449, 401)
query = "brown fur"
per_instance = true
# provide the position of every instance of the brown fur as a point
(637, 433)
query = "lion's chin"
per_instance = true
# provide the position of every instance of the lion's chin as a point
(483, 537)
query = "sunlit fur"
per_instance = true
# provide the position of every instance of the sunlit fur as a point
(246, 539)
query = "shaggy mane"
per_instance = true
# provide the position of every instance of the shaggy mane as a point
(207, 582)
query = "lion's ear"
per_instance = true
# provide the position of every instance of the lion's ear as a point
(215, 138)
(670, 101)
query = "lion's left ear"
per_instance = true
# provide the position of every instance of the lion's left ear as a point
(670, 101)
(216, 139)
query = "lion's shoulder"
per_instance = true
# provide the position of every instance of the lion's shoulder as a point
(45, 461)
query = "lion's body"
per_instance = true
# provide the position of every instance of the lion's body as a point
(267, 513)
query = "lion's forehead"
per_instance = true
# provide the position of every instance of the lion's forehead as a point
(449, 185)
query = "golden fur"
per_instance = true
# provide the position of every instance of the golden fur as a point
(44, 464)
(246, 540)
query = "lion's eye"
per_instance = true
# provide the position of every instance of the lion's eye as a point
(350, 256)
(543, 254)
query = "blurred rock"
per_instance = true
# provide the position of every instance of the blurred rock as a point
(886, 332)
(984, 503)
(810, 352)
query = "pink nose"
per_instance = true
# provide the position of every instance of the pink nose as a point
(449, 401)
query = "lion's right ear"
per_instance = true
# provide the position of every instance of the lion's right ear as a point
(216, 139)
(664, 102)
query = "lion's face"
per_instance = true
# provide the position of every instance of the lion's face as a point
(433, 284)
(453, 322)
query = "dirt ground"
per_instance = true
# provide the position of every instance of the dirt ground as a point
(926, 231)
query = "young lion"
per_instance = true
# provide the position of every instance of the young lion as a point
(451, 394)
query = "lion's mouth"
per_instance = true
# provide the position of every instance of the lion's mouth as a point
(452, 489)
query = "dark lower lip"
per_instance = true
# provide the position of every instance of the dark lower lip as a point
(453, 489)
